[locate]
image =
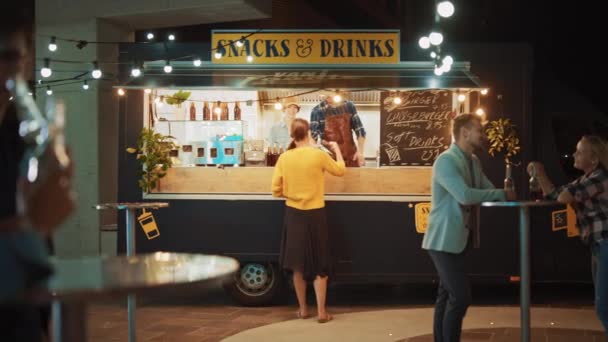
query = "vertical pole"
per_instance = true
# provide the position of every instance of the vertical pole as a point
(524, 260)
(131, 303)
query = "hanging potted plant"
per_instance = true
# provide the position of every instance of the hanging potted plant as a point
(503, 138)
(176, 100)
(153, 154)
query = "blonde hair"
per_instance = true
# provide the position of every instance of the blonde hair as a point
(599, 148)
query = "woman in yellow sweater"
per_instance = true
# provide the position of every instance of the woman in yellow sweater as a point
(299, 178)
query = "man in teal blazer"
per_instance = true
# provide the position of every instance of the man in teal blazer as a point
(458, 185)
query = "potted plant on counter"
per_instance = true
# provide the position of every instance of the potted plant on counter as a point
(176, 100)
(503, 138)
(153, 152)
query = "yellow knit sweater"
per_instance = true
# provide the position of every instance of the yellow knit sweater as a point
(299, 177)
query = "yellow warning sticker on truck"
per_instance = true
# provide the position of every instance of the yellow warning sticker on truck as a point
(422, 211)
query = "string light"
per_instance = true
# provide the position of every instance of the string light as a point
(480, 112)
(239, 42)
(397, 99)
(85, 85)
(217, 55)
(197, 62)
(484, 91)
(96, 73)
(424, 42)
(150, 36)
(462, 97)
(46, 69)
(337, 97)
(171, 37)
(217, 110)
(53, 44)
(49, 91)
(249, 58)
(136, 71)
(121, 92)
(445, 9)
(446, 67)
(433, 54)
(448, 60)
(438, 71)
(436, 38)
(168, 68)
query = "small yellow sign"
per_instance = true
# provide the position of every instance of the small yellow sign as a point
(422, 211)
(148, 224)
(565, 219)
(376, 47)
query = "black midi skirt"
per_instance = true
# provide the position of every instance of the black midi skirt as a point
(305, 243)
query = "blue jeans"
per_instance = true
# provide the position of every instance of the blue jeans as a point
(599, 270)
(453, 296)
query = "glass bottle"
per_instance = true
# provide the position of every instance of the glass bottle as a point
(237, 111)
(225, 111)
(206, 111)
(509, 184)
(536, 193)
(192, 111)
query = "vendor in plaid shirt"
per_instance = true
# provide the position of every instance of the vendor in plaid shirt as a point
(589, 196)
(336, 121)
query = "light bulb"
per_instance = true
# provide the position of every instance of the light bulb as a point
(168, 68)
(171, 37)
(239, 43)
(46, 69)
(438, 71)
(484, 91)
(445, 9)
(424, 42)
(135, 72)
(121, 91)
(448, 60)
(85, 85)
(278, 105)
(148, 91)
(46, 72)
(96, 71)
(217, 55)
(397, 100)
(479, 112)
(462, 97)
(446, 67)
(53, 44)
(150, 36)
(436, 38)
(337, 98)
(249, 58)
(217, 110)
(197, 62)
(49, 91)
(433, 54)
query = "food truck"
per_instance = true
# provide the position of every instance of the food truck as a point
(219, 185)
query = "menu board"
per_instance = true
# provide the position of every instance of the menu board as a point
(416, 131)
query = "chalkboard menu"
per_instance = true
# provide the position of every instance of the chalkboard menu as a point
(416, 131)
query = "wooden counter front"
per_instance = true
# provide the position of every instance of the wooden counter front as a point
(256, 180)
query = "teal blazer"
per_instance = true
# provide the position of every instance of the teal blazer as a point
(451, 191)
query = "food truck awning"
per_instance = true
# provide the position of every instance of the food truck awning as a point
(410, 75)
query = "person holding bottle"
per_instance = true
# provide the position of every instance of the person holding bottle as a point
(588, 195)
(305, 250)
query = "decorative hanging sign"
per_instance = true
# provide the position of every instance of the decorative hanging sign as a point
(305, 47)
(148, 224)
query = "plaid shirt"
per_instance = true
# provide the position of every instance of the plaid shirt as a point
(317, 118)
(590, 194)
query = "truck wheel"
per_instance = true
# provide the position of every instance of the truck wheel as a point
(256, 284)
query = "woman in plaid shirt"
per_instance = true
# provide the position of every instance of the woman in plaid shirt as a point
(588, 195)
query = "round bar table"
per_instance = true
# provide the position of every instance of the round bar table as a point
(524, 255)
(78, 281)
(130, 209)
